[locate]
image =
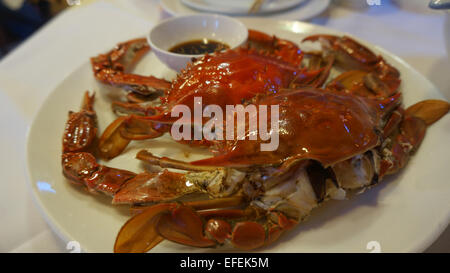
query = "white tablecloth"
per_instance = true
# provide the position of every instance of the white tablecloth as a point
(407, 28)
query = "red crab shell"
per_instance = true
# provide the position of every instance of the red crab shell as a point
(313, 124)
(228, 78)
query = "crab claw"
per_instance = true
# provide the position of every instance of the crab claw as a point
(410, 136)
(411, 133)
(81, 127)
(127, 108)
(364, 84)
(351, 82)
(111, 68)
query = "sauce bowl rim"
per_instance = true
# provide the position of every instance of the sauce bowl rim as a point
(165, 21)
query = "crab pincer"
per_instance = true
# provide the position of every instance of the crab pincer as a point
(79, 146)
(81, 127)
(113, 68)
(406, 138)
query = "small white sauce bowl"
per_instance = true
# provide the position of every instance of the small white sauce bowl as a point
(177, 30)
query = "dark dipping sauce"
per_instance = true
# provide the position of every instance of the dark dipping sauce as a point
(197, 47)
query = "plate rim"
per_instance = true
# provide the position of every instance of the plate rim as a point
(56, 227)
(276, 15)
(191, 4)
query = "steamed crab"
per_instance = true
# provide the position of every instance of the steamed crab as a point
(335, 137)
(266, 65)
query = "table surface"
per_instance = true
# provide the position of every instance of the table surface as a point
(28, 74)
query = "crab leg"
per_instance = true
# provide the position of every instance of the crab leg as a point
(393, 122)
(245, 229)
(363, 84)
(148, 187)
(367, 74)
(348, 52)
(120, 132)
(161, 186)
(140, 109)
(214, 222)
(284, 49)
(82, 168)
(317, 71)
(165, 162)
(325, 72)
(129, 188)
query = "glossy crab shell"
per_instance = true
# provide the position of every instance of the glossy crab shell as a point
(313, 124)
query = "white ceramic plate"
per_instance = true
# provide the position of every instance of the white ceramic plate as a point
(404, 213)
(240, 7)
(302, 11)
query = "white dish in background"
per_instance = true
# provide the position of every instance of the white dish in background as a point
(240, 7)
(181, 29)
(404, 213)
(439, 4)
(303, 11)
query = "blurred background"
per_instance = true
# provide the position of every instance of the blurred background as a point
(20, 18)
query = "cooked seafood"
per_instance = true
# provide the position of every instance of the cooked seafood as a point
(336, 136)
(266, 65)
